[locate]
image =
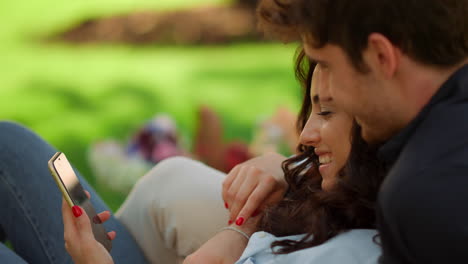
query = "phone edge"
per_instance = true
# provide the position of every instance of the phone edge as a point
(57, 179)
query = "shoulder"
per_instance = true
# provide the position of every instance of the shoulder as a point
(352, 247)
(427, 203)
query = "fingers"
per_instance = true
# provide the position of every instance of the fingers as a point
(84, 225)
(227, 185)
(242, 194)
(249, 181)
(249, 186)
(257, 198)
(102, 217)
(235, 186)
(69, 228)
(111, 235)
(88, 194)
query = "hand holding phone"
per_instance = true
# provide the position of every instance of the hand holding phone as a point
(74, 194)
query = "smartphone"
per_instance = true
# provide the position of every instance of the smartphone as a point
(74, 194)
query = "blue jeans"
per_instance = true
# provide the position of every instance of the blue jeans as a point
(30, 204)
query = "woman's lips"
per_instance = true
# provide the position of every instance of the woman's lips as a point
(325, 161)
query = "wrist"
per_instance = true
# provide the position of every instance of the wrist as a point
(236, 230)
(249, 227)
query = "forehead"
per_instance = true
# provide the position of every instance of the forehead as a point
(315, 83)
(328, 54)
(319, 85)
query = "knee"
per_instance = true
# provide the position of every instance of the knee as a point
(161, 186)
(8, 127)
(20, 146)
(177, 163)
(163, 178)
(168, 170)
(12, 133)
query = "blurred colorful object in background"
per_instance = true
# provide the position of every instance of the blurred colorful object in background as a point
(121, 166)
(156, 141)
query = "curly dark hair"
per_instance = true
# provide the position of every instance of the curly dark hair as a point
(307, 208)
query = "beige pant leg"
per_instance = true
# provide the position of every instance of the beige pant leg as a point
(174, 209)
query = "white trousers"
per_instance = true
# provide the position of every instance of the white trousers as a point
(174, 209)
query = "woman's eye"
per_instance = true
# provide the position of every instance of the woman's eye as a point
(324, 113)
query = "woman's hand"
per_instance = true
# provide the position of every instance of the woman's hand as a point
(252, 185)
(226, 247)
(79, 239)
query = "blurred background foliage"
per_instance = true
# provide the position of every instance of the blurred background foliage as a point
(75, 94)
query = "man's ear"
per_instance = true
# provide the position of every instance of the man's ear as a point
(381, 55)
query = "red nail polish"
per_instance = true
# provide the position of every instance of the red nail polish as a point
(256, 213)
(109, 237)
(240, 221)
(226, 205)
(230, 222)
(77, 211)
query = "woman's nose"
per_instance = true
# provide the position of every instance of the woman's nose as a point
(310, 135)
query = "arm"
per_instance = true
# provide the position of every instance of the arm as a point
(226, 247)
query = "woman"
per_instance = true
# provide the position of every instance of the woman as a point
(329, 203)
(235, 183)
(27, 205)
(327, 215)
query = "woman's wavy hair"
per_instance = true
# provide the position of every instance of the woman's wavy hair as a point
(306, 208)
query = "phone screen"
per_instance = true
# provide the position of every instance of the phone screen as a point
(74, 194)
(69, 179)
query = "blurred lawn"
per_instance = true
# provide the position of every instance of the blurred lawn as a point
(75, 95)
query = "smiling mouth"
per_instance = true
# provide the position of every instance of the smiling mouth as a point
(325, 159)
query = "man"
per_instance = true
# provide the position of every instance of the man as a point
(400, 67)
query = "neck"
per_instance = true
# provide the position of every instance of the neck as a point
(420, 83)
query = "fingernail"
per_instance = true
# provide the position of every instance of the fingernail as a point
(256, 213)
(230, 222)
(109, 237)
(240, 221)
(97, 220)
(226, 205)
(77, 211)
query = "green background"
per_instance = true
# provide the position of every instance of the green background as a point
(74, 95)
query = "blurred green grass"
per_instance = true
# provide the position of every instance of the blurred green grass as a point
(75, 95)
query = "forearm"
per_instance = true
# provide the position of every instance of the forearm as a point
(226, 247)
